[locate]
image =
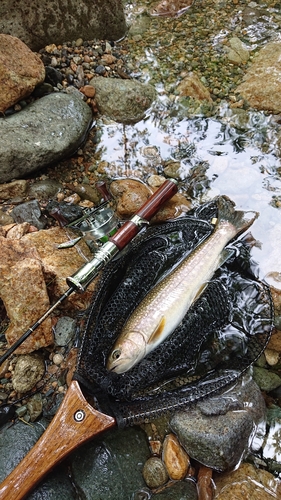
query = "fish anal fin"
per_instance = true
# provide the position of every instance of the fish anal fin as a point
(158, 331)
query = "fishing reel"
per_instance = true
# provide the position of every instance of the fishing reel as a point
(96, 225)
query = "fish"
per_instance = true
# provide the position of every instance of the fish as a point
(166, 304)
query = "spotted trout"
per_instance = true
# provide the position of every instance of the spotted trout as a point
(166, 304)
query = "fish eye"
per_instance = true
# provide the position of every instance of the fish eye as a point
(116, 354)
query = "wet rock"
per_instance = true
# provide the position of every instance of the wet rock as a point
(45, 189)
(29, 212)
(139, 25)
(275, 341)
(266, 380)
(175, 458)
(24, 293)
(111, 468)
(40, 24)
(180, 490)
(45, 131)
(124, 101)
(64, 212)
(238, 52)
(5, 219)
(13, 189)
(64, 330)
(191, 86)
(35, 406)
(154, 472)
(219, 439)
(29, 369)
(17, 231)
(15, 441)
(20, 71)
(86, 192)
(261, 86)
(247, 482)
(131, 195)
(60, 263)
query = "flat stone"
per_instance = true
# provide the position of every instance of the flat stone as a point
(262, 86)
(124, 101)
(247, 482)
(24, 294)
(44, 132)
(191, 86)
(58, 264)
(13, 189)
(20, 71)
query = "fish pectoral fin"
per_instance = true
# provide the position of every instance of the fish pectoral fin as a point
(225, 255)
(156, 334)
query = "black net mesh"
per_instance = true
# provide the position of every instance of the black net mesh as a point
(222, 334)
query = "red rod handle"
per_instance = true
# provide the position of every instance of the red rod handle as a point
(146, 212)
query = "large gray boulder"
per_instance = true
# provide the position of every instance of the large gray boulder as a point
(39, 23)
(44, 132)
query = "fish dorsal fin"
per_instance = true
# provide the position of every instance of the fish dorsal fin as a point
(156, 334)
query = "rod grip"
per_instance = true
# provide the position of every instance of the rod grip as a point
(146, 212)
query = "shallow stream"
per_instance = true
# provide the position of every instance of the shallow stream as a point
(217, 148)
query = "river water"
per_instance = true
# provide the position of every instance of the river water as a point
(219, 149)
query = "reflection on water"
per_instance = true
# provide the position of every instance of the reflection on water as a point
(233, 154)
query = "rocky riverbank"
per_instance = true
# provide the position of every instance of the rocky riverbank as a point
(100, 85)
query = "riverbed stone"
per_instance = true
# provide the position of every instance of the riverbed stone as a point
(64, 330)
(29, 369)
(217, 436)
(262, 86)
(13, 189)
(44, 132)
(111, 468)
(20, 71)
(266, 379)
(41, 23)
(245, 483)
(191, 86)
(58, 264)
(15, 442)
(24, 293)
(125, 101)
(130, 195)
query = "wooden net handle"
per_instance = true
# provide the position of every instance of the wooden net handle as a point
(75, 423)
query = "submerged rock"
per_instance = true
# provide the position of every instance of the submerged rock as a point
(261, 86)
(247, 482)
(218, 435)
(124, 101)
(44, 132)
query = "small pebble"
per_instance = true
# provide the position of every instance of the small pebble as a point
(58, 359)
(154, 472)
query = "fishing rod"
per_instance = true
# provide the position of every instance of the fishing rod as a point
(80, 280)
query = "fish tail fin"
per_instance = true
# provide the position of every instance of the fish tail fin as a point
(239, 219)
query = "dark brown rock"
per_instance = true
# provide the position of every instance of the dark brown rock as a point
(20, 71)
(40, 23)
